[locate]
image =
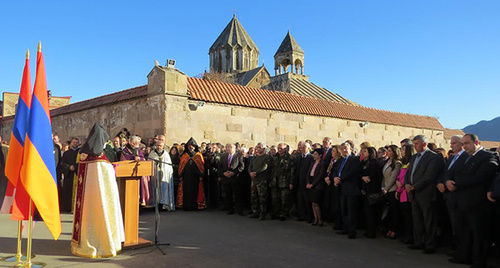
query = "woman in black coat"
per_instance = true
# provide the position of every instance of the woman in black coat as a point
(316, 185)
(371, 176)
(331, 198)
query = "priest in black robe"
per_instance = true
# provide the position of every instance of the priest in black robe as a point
(69, 169)
(191, 169)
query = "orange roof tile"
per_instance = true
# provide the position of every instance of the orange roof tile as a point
(449, 132)
(128, 94)
(220, 92)
(490, 144)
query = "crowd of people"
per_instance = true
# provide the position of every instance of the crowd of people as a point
(420, 194)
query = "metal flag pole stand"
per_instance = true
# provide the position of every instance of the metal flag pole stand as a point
(28, 262)
(18, 258)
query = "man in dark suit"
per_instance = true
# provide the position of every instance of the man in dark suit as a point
(470, 185)
(457, 160)
(57, 156)
(304, 160)
(327, 155)
(348, 180)
(230, 167)
(69, 168)
(420, 184)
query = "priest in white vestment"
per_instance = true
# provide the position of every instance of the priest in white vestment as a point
(98, 223)
(165, 172)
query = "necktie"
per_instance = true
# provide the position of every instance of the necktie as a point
(468, 158)
(453, 161)
(229, 160)
(342, 166)
(415, 164)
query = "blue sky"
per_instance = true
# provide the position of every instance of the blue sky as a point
(437, 58)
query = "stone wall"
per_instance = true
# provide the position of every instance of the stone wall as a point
(10, 101)
(140, 116)
(226, 123)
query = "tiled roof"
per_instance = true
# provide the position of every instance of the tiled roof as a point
(306, 88)
(234, 34)
(289, 45)
(128, 94)
(449, 132)
(219, 92)
(490, 144)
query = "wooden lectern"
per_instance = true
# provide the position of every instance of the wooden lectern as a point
(128, 174)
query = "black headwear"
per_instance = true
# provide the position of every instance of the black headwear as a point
(191, 141)
(95, 141)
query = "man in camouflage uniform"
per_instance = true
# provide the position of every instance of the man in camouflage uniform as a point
(283, 172)
(260, 173)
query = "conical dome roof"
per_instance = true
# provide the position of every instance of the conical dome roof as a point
(289, 45)
(234, 34)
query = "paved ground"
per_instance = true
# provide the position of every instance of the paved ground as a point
(213, 239)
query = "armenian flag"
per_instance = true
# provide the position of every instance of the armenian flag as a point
(38, 173)
(17, 201)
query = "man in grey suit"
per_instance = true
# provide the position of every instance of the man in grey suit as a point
(230, 167)
(420, 183)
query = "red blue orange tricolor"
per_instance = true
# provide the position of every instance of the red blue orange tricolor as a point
(20, 206)
(15, 154)
(38, 170)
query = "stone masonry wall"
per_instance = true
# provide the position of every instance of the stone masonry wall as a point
(226, 123)
(223, 123)
(140, 116)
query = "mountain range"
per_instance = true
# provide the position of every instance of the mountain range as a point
(486, 130)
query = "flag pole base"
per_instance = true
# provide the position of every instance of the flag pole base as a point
(32, 265)
(21, 264)
(14, 258)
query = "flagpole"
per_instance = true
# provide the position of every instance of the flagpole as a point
(18, 258)
(19, 255)
(28, 263)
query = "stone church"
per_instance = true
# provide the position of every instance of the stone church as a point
(239, 101)
(235, 56)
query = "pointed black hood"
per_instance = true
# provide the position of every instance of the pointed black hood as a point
(191, 141)
(95, 141)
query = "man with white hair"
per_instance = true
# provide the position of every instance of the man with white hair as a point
(457, 160)
(132, 151)
(165, 173)
(230, 167)
(304, 160)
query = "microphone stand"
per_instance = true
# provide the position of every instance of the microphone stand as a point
(157, 243)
